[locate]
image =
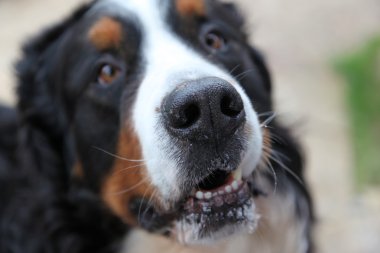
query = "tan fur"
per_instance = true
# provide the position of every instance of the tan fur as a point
(191, 7)
(127, 179)
(278, 232)
(267, 145)
(106, 33)
(78, 171)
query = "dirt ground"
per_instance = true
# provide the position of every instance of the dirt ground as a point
(300, 38)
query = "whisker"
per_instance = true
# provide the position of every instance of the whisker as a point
(268, 113)
(149, 202)
(117, 156)
(268, 120)
(124, 170)
(270, 166)
(243, 74)
(277, 157)
(139, 212)
(279, 162)
(281, 156)
(154, 195)
(276, 138)
(234, 68)
(131, 188)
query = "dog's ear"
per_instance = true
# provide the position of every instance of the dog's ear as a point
(39, 100)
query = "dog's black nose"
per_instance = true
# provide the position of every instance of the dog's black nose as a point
(206, 109)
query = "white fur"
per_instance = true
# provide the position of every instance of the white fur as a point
(168, 61)
(188, 233)
(278, 231)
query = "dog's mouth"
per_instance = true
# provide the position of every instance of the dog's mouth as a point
(217, 192)
(220, 205)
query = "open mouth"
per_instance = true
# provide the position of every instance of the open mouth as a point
(217, 193)
(219, 205)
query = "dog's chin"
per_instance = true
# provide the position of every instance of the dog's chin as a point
(209, 216)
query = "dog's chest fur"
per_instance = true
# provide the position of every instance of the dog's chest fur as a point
(278, 232)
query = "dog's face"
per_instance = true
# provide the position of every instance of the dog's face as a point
(162, 99)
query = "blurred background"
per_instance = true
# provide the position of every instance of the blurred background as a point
(325, 60)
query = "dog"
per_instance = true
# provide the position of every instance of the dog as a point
(148, 126)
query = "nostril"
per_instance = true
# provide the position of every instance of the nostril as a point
(189, 115)
(230, 107)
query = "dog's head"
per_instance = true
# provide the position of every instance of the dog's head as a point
(154, 105)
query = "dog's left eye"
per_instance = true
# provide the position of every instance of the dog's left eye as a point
(214, 41)
(107, 74)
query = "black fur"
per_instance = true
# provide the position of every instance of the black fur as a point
(42, 208)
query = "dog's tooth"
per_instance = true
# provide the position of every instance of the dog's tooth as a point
(206, 208)
(221, 192)
(218, 201)
(199, 195)
(228, 189)
(208, 195)
(193, 192)
(235, 185)
(237, 174)
(215, 194)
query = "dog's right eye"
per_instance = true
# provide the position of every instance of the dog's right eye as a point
(107, 74)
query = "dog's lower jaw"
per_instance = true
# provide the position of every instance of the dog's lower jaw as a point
(205, 220)
(192, 229)
(277, 229)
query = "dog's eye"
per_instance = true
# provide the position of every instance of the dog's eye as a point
(107, 74)
(215, 41)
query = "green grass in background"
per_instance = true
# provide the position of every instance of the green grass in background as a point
(361, 70)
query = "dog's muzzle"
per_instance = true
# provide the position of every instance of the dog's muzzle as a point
(209, 133)
(205, 120)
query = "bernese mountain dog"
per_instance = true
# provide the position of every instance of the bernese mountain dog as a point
(148, 126)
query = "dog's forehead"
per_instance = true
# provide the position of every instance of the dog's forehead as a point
(145, 12)
(151, 12)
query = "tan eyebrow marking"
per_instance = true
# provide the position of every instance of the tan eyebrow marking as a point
(106, 33)
(191, 7)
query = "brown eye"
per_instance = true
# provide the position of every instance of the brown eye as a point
(215, 41)
(107, 74)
